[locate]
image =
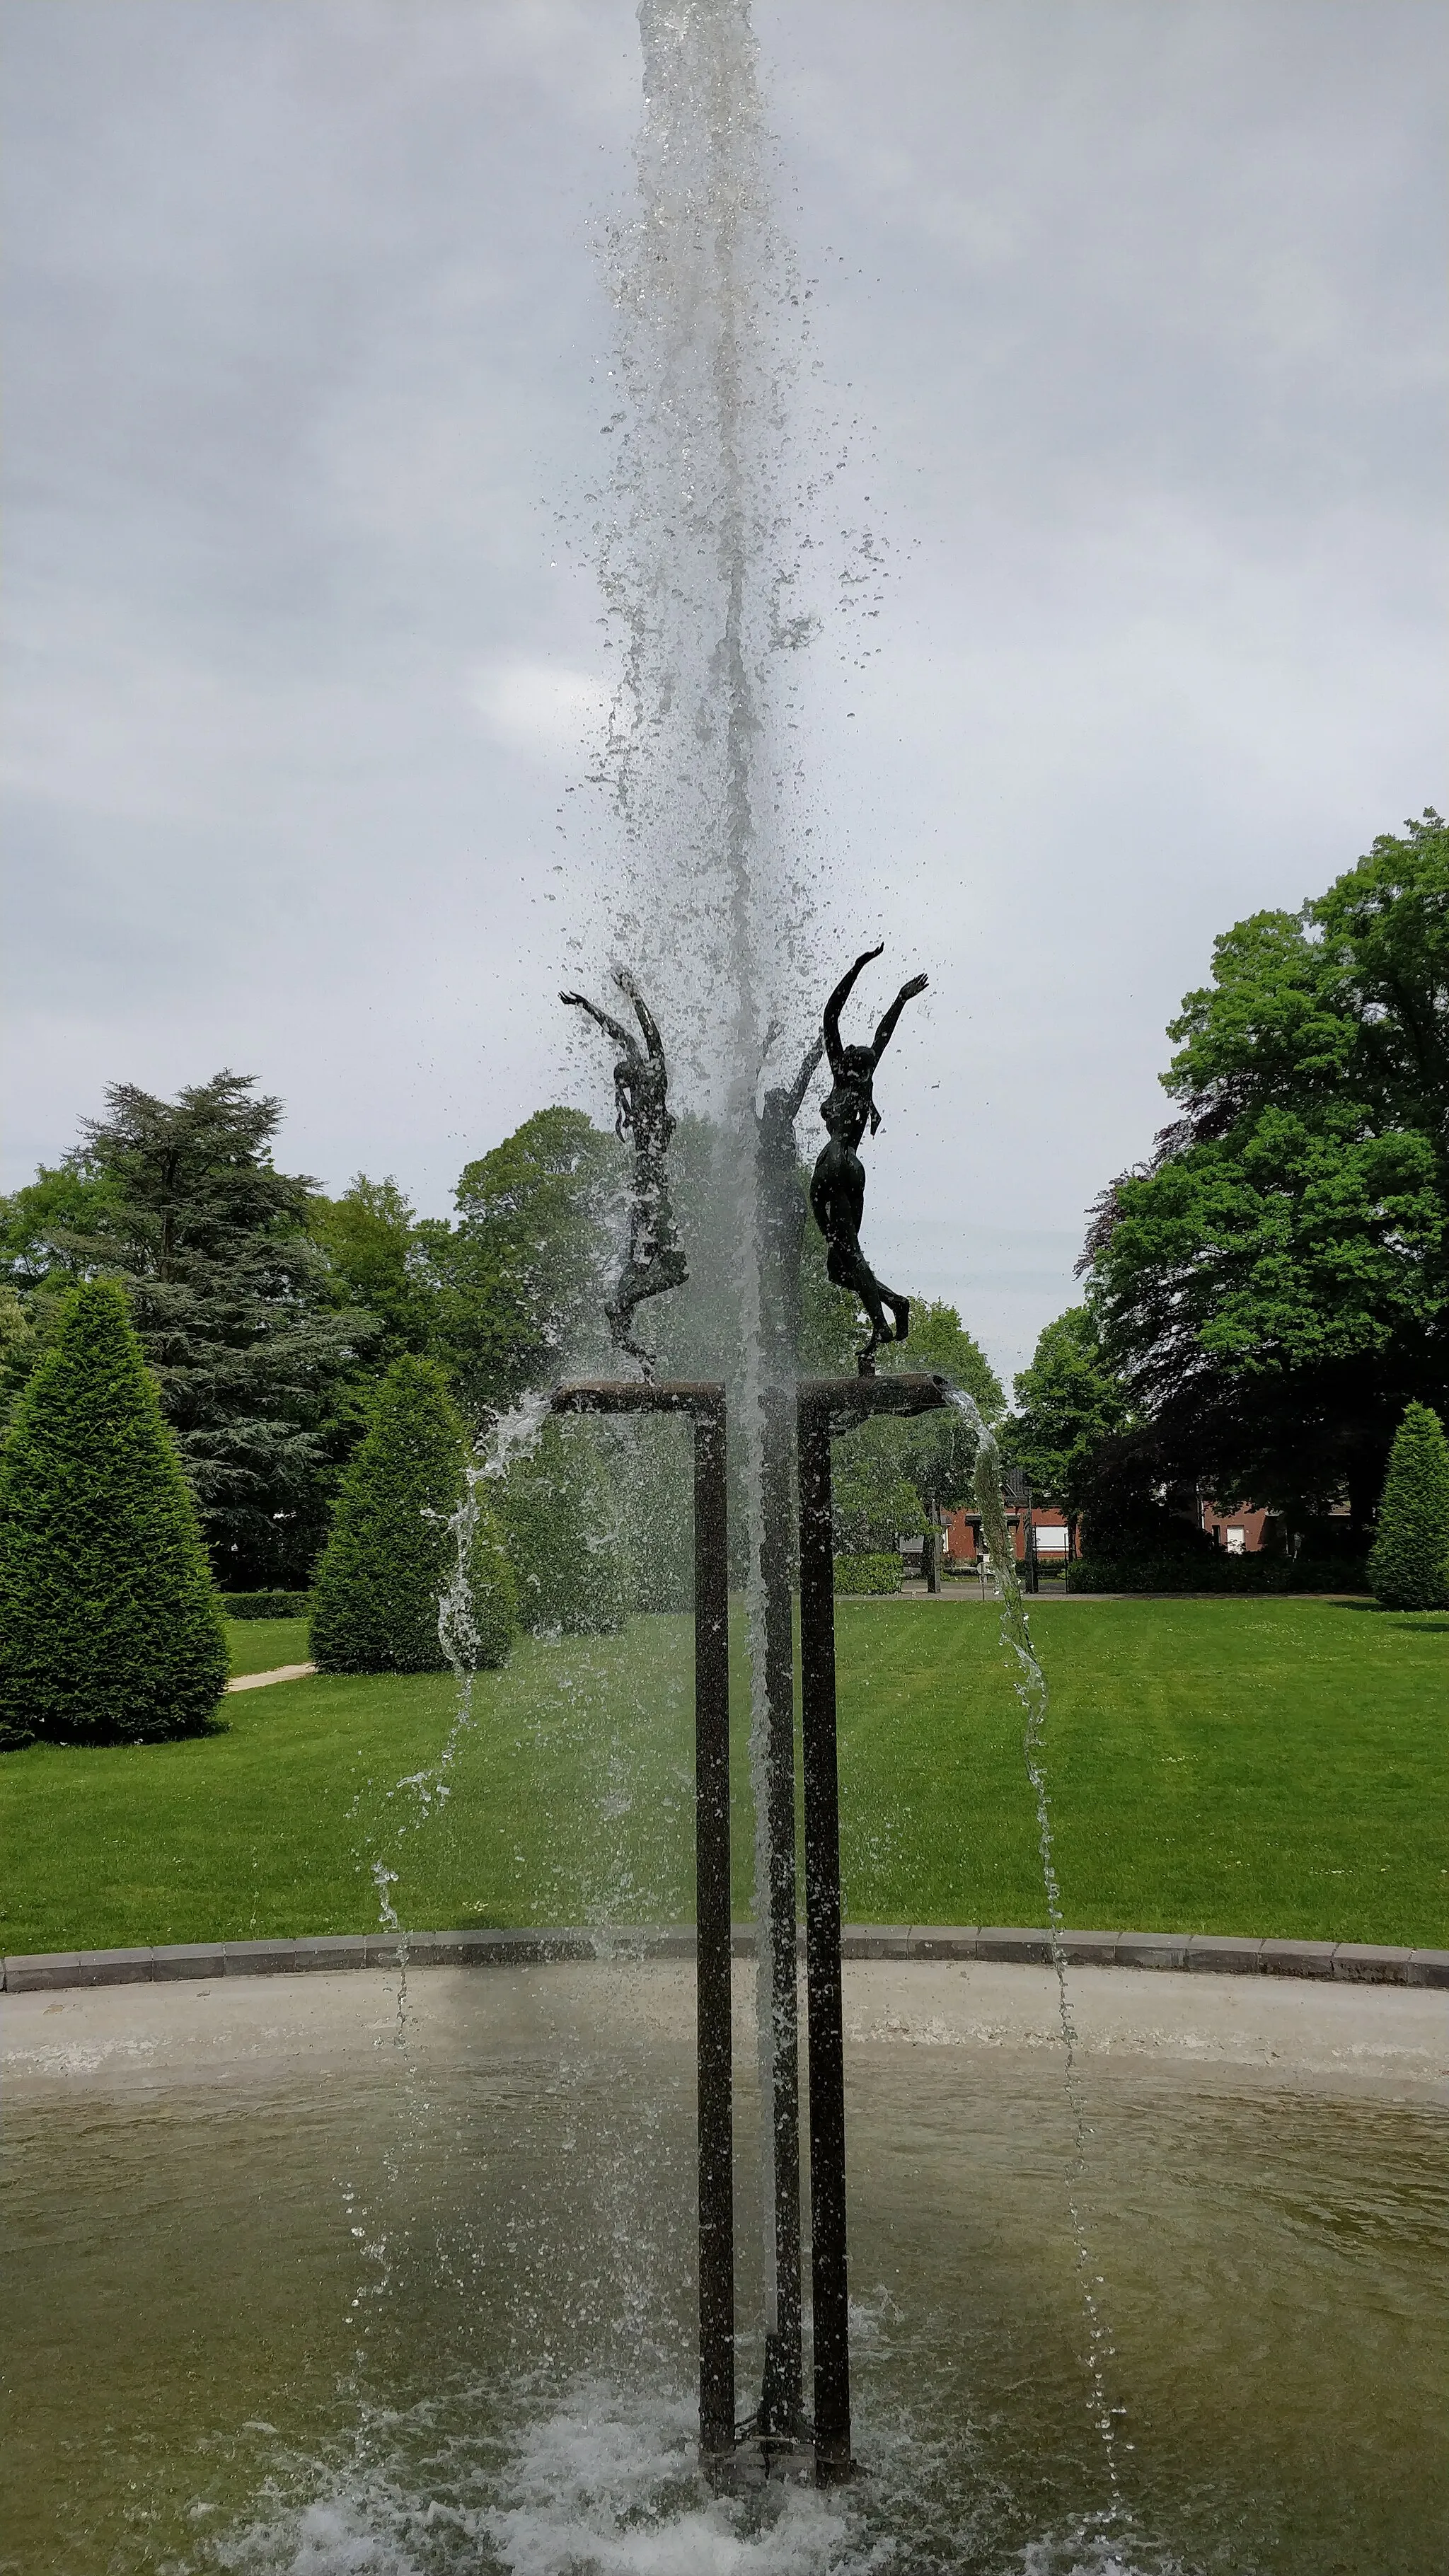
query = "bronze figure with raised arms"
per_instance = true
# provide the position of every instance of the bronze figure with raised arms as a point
(641, 1110)
(837, 1186)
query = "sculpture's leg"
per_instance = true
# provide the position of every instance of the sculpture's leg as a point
(848, 1267)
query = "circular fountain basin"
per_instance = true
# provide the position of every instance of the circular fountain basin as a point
(295, 2285)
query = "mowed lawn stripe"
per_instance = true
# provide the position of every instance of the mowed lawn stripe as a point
(1266, 1767)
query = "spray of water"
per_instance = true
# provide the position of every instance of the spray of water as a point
(1031, 1691)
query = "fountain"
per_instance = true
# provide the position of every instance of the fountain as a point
(779, 2429)
(291, 2299)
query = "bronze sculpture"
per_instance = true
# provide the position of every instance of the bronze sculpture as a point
(837, 1186)
(641, 1089)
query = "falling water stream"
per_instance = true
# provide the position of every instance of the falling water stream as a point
(1031, 1690)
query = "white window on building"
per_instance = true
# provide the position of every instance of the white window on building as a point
(1235, 1539)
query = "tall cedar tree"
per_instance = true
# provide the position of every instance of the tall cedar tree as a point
(110, 1628)
(391, 1553)
(1273, 1284)
(234, 1304)
(1408, 1567)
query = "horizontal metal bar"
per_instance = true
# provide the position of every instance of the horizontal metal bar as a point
(639, 1395)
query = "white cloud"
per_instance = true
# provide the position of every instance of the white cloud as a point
(540, 707)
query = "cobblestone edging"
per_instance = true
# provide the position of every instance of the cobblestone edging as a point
(1340, 1962)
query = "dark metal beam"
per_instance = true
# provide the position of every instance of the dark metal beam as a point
(826, 1405)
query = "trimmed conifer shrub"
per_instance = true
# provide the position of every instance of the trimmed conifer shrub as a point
(110, 1627)
(390, 1555)
(560, 1517)
(1408, 1567)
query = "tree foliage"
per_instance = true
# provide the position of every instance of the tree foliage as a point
(560, 1511)
(110, 1630)
(391, 1552)
(1408, 1567)
(231, 1298)
(1069, 1404)
(518, 1281)
(1274, 1284)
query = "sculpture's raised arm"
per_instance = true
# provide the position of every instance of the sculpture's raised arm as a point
(621, 1036)
(887, 1029)
(801, 1083)
(830, 1020)
(642, 1012)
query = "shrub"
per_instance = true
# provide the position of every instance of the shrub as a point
(1216, 1571)
(110, 1628)
(558, 1512)
(265, 1605)
(868, 1573)
(1409, 1561)
(390, 1555)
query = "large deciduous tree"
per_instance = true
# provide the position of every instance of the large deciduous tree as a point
(1070, 1405)
(519, 1280)
(1274, 1283)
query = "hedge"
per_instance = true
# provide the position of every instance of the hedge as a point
(1253, 1574)
(1408, 1565)
(110, 1626)
(391, 1552)
(868, 1573)
(265, 1605)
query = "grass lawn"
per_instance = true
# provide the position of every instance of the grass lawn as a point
(260, 1645)
(1273, 1767)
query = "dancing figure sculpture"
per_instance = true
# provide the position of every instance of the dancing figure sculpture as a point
(641, 1094)
(837, 1186)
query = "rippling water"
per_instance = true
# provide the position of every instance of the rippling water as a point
(437, 2317)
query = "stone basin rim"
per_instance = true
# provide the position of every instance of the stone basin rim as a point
(1336, 1962)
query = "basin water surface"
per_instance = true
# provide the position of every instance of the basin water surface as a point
(285, 2296)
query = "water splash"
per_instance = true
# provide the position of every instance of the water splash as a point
(1031, 1691)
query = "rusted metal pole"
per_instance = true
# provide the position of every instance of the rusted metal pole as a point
(824, 1406)
(705, 1406)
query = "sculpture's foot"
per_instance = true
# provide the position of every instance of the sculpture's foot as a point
(901, 1310)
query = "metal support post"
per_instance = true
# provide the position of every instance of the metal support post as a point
(826, 1405)
(782, 2388)
(705, 1405)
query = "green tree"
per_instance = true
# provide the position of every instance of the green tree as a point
(519, 1281)
(377, 1256)
(1069, 1405)
(559, 1508)
(937, 1451)
(110, 1629)
(1408, 1565)
(391, 1552)
(875, 1503)
(232, 1300)
(1274, 1284)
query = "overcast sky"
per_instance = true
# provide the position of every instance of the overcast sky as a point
(1138, 311)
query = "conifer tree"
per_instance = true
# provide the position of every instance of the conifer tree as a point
(1408, 1567)
(391, 1554)
(110, 1628)
(561, 1519)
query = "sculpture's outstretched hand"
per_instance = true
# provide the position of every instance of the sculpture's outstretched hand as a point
(916, 985)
